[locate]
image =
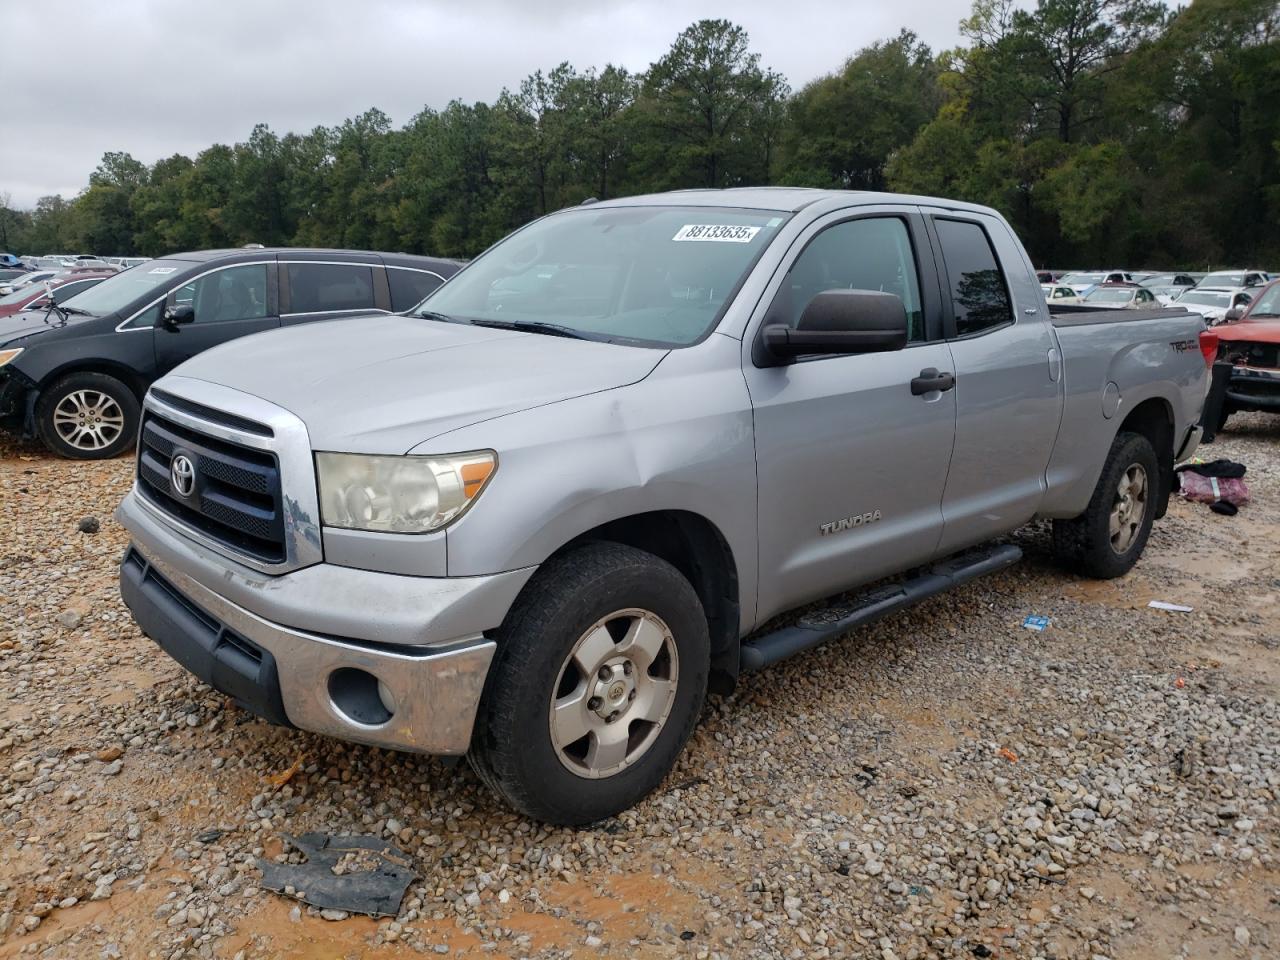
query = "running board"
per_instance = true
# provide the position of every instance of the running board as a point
(820, 625)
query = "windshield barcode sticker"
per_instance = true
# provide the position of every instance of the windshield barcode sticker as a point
(717, 232)
(162, 270)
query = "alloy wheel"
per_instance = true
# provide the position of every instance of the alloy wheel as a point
(88, 419)
(614, 693)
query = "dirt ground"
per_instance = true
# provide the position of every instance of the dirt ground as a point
(945, 783)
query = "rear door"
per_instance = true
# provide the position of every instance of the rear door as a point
(331, 285)
(230, 301)
(1008, 379)
(850, 463)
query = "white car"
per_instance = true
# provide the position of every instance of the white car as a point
(1233, 279)
(1212, 303)
(35, 276)
(1118, 297)
(1058, 293)
(1084, 281)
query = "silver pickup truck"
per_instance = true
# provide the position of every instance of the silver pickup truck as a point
(537, 518)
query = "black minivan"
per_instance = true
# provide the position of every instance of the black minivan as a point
(75, 374)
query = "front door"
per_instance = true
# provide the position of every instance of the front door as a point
(850, 463)
(229, 302)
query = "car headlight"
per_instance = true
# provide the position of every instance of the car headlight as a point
(7, 355)
(400, 494)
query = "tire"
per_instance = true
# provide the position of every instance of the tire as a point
(1089, 543)
(518, 749)
(87, 416)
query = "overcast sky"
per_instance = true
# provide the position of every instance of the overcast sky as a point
(157, 77)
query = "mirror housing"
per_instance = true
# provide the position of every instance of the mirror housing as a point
(178, 314)
(1232, 315)
(839, 322)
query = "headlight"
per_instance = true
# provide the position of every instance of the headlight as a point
(7, 355)
(400, 494)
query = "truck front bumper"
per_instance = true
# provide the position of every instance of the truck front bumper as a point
(396, 682)
(1254, 388)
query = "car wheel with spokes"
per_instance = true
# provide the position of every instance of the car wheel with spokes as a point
(599, 677)
(1108, 538)
(87, 416)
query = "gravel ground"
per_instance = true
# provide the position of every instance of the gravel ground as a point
(944, 784)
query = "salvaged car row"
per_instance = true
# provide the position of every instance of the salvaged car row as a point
(584, 481)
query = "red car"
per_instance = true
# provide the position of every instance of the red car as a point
(35, 296)
(1252, 343)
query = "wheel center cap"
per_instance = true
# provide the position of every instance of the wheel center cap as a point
(614, 689)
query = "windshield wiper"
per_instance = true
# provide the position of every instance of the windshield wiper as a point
(1265, 313)
(77, 311)
(442, 317)
(534, 326)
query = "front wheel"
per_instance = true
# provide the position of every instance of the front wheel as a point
(1108, 538)
(598, 682)
(87, 416)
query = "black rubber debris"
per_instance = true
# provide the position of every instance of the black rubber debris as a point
(371, 879)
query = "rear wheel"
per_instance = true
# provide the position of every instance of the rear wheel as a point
(87, 416)
(1108, 538)
(598, 682)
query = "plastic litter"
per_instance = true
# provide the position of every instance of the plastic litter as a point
(1036, 623)
(284, 776)
(1173, 607)
(355, 874)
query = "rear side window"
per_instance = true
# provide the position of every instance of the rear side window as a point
(410, 287)
(979, 296)
(323, 287)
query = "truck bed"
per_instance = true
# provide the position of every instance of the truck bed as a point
(1069, 315)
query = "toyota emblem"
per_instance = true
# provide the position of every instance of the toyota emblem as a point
(182, 474)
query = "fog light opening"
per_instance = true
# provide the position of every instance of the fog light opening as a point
(361, 697)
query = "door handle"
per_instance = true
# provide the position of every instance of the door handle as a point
(929, 380)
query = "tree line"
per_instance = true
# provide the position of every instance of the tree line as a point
(1109, 132)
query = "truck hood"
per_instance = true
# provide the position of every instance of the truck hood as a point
(386, 383)
(1255, 331)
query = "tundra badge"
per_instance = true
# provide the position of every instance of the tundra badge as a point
(848, 523)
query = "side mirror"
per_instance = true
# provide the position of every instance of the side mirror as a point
(178, 314)
(839, 322)
(1232, 315)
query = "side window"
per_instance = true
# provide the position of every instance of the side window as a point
(410, 287)
(323, 287)
(147, 318)
(1144, 296)
(868, 254)
(979, 296)
(236, 293)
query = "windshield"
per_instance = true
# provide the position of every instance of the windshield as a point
(1268, 305)
(121, 289)
(1081, 279)
(646, 275)
(1110, 296)
(1223, 280)
(1206, 298)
